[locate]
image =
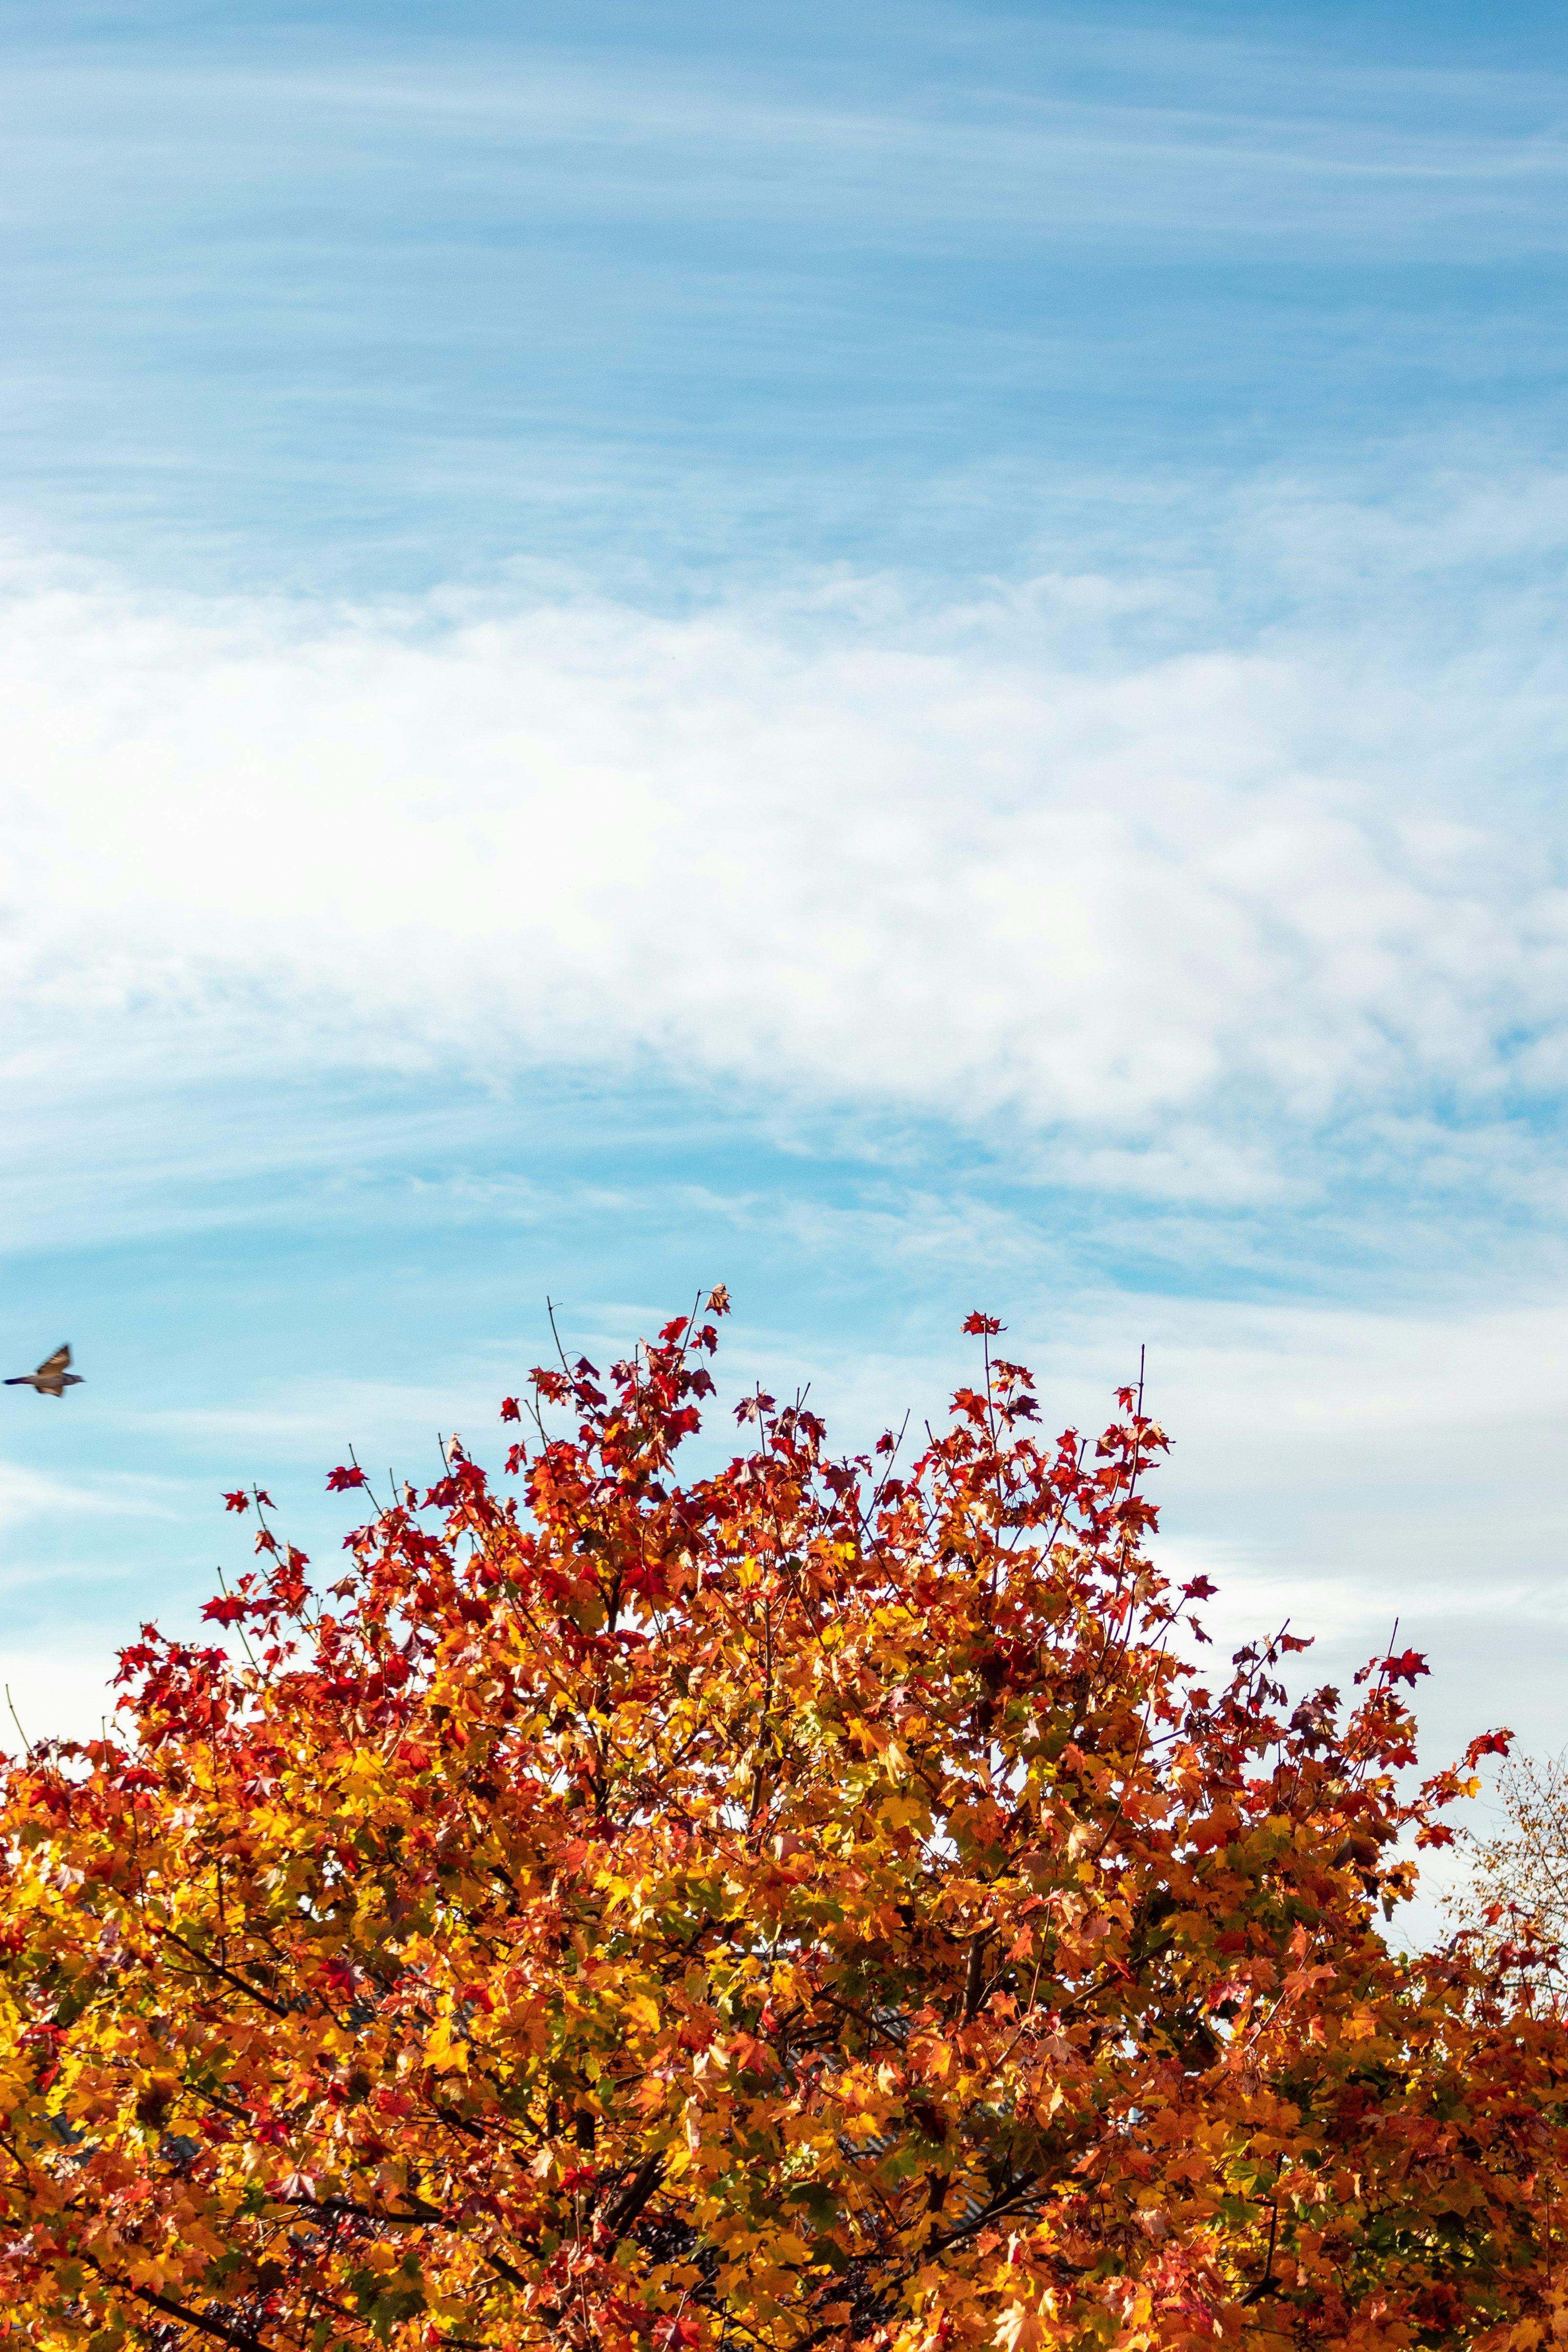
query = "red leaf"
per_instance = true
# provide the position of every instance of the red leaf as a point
(224, 1610)
(238, 1501)
(978, 1324)
(340, 1480)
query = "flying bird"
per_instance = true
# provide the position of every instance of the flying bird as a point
(51, 1379)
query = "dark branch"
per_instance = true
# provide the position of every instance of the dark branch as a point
(220, 2328)
(628, 2201)
(240, 1984)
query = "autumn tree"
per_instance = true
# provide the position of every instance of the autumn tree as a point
(821, 1903)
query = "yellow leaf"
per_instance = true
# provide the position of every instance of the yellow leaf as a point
(442, 2054)
(1020, 2330)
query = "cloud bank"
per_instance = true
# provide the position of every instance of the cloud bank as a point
(1075, 854)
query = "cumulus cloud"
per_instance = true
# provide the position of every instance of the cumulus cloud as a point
(1026, 855)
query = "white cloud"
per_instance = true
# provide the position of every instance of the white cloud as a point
(1010, 857)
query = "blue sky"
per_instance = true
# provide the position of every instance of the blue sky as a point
(908, 658)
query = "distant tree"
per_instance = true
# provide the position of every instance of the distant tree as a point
(1512, 1905)
(817, 1904)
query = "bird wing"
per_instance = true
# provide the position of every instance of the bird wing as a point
(53, 1366)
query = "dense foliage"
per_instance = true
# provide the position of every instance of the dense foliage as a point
(820, 1902)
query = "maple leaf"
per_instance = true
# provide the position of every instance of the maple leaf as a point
(340, 1480)
(1406, 1667)
(224, 1610)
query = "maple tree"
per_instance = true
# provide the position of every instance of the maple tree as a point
(819, 1903)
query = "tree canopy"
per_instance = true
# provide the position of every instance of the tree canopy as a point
(821, 1903)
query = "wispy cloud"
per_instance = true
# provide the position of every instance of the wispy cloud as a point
(28, 1494)
(381, 295)
(1053, 141)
